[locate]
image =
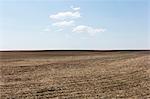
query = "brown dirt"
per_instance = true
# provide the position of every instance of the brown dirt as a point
(75, 75)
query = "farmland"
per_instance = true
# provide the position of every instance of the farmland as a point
(75, 75)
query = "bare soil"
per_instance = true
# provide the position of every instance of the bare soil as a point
(75, 75)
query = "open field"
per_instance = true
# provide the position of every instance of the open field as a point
(75, 75)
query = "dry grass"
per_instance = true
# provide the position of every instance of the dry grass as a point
(75, 75)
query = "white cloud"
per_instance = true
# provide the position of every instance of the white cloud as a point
(67, 19)
(75, 8)
(64, 23)
(87, 29)
(65, 15)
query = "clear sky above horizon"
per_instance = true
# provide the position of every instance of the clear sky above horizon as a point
(74, 24)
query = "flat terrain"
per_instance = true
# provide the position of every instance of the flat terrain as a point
(75, 75)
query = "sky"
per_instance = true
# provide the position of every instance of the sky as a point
(74, 24)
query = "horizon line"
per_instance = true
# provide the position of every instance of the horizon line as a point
(101, 50)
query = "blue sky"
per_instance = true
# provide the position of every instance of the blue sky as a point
(74, 24)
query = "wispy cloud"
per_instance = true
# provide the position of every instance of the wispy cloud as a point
(65, 15)
(63, 23)
(75, 8)
(68, 19)
(87, 29)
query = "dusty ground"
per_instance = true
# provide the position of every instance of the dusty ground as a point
(75, 75)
